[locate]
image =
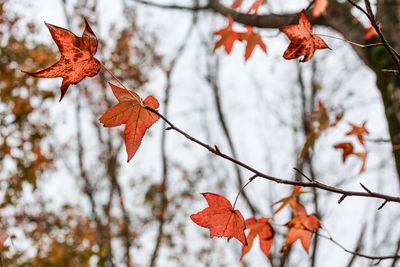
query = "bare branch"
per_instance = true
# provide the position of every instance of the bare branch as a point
(314, 184)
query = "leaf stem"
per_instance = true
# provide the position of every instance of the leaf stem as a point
(115, 77)
(250, 180)
(350, 42)
(112, 74)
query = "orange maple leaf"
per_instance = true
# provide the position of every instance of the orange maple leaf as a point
(347, 149)
(221, 218)
(263, 229)
(302, 41)
(370, 33)
(301, 227)
(228, 37)
(358, 131)
(253, 39)
(131, 111)
(236, 3)
(255, 6)
(363, 157)
(291, 200)
(319, 8)
(77, 57)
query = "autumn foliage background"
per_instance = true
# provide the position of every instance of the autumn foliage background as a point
(69, 198)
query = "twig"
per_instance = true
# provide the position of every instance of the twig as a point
(381, 36)
(178, 7)
(390, 71)
(356, 253)
(212, 79)
(315, 184)
(358, 7)
(350, 42)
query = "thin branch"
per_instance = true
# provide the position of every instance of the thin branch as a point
(315, 184)
(212, 79)
(358, 246)
(350, 42)
(390, 71)
(397, 251)
(177, 7)
(358, 7)
(356, 253)
(386, 44)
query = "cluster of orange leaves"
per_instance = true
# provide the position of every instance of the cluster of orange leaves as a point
(224, 221)
(229, 36)
(348, 148)
(302, 41)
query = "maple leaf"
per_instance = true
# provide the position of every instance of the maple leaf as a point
(358, 131)
(301, 227)
(302, 41)
(221, 218)
(363, 157)
(253, 39)
(347, 149)
(320, 116)
(256, 5)
(291, 200)
(228, 37)
(131, 111)
(319, 120)
(263, 229)
(310, 142)
(236, 3)
(77, 57)
(370, 33)
(319, 8)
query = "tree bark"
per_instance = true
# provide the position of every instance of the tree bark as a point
(388, 14)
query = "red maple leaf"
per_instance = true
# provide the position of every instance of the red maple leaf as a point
(77, 57)
(370, 33)
(263, 229)
(228, 37)
(253, 39)
(302, 41)
(301, 227)
(347, 149)
(131, 111)
(291, 200)
(256, 5)
(236, 3)
(319, 8)
(359, 131)
(221, 218)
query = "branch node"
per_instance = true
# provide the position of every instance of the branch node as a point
(168, 128)
(253, 177)
(302, 174)
(217, 149)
